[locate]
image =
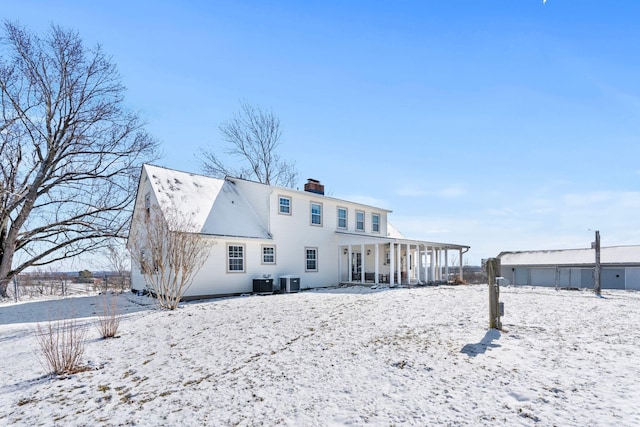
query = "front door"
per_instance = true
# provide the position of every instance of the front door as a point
(356, 266)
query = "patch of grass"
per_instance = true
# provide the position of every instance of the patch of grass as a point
(128, 373)
(25, 401)
(127, 398)
(198, 381)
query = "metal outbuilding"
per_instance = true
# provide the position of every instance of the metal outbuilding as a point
(573, 268)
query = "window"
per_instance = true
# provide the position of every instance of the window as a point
(268, 254)
(316, 213)
(284, 205)
(147, 204)
(311, 259)
(387, 258)
(375, 223)
(235, 256)
(359, 221)
(342, 218)
(143, 261)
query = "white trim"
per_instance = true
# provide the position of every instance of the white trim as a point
(306, 259)
(262, 254)
(375, 214)
(311, 214)
(361, 230)
(346, 218)
(280, 197)
(244, 258)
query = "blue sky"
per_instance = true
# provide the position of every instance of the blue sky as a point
(499, 124)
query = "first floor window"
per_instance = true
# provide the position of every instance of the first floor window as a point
(312, 259)
(235, 256)
(268, 254)
(143, 261)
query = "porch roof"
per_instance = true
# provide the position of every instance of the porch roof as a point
(352, 238)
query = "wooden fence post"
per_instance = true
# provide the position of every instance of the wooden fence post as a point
(494, 294)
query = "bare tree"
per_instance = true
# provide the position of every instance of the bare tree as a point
(168, 248)
(69, 150)
(253, 136)
(118, 261)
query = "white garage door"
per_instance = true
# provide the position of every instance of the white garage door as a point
(633, 278)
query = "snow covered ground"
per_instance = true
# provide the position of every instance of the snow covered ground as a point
(346, 356)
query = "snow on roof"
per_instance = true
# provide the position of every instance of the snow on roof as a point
(608, 255)
(394, 232)
(216, 205)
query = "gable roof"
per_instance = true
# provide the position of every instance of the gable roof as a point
(608, 255)
(216, 205)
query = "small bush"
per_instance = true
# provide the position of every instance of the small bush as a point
(109, 318)
(62, 344)
(459, 281)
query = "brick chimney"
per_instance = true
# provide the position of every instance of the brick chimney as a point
(314, 186)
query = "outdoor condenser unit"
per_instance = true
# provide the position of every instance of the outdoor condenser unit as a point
(262, 285)
(289, 283)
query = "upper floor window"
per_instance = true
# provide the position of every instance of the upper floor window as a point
(359, 221)
(375, 223)
(311, 259)
(284, 205)
(235, 258)
(316, 213)
(147, 204)
(268, 254)
(342, 218)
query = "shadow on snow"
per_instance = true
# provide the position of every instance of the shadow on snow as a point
(472, 350)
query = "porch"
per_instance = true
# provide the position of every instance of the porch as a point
(397, 261)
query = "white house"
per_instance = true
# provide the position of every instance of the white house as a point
(619, 267)
(262, 230)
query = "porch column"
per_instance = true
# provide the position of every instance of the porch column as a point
(418, 263)
(438, 269)
(339, 264)
(392, 279)
(376, 255)
(446, 264)
(399, 259)
(432, 265)
(408, 259)
(349, 264)
(363, 257)
(461, 278)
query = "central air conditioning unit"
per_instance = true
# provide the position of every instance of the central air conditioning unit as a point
(262, 285)
(289, 283)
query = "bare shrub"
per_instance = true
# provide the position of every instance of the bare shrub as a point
(109, 317)
(459, 281)
(62, 345)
